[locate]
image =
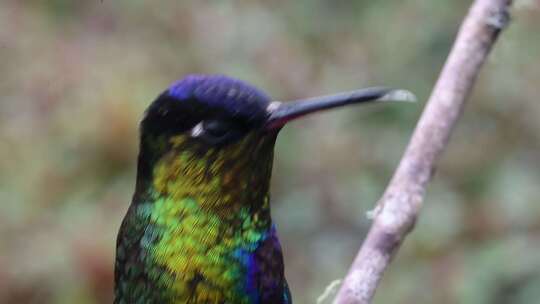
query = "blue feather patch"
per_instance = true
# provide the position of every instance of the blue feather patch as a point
(234, 96)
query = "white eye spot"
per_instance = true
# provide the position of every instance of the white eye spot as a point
(273, 106)
(197, 130)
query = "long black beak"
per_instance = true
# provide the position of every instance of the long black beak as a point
(279, 113)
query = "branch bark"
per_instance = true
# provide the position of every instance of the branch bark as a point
(399, 206)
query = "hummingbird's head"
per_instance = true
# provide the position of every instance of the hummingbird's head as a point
(211, 112)
(209, 131)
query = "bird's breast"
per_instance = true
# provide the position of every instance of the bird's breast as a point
(193, 253)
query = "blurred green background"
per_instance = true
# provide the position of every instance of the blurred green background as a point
(76, 76)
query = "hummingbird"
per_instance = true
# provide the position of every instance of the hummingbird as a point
(199, 228)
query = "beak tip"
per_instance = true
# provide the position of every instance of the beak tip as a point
(398, 95)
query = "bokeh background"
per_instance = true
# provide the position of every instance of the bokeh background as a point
(76, 76)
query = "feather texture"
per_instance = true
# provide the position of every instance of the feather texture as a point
(199, 228)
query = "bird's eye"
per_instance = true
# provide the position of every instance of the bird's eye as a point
(216, 128)
(218, 131)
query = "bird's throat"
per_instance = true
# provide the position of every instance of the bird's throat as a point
(205, 214)
(219, 180)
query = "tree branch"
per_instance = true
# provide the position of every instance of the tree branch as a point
(398, 209)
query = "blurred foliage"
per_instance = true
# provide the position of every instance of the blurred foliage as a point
(77, 75)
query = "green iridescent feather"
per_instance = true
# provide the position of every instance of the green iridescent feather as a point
(199, 228)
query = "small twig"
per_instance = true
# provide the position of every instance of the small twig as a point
(399, 207)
